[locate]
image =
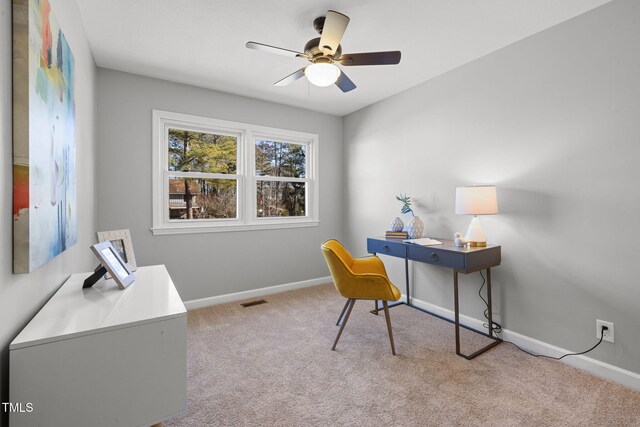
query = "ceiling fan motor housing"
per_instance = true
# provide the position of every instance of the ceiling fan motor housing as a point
(312, 48)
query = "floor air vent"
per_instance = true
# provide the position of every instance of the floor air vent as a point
(252, 303)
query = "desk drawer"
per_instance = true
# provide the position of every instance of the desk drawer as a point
(435, 256)
(386, 247)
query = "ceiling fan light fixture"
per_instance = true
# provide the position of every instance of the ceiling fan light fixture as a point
(322, 74)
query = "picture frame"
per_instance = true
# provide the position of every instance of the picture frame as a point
(113, 263)
(44, 136)
(121, 240)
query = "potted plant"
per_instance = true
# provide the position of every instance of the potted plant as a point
(415, 226)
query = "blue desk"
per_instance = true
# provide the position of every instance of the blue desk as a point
(461, 260)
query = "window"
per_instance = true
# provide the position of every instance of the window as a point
(280, 178)
(203, 180)
(213, 175)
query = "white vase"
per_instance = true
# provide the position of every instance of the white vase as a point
(397, 224)
(415, 227)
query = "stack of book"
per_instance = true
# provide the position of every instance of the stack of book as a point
(397, 234)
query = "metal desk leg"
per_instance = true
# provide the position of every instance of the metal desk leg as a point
(489, 302)
(457, 311)
(456, 304)
(375, 303)
(406, 280)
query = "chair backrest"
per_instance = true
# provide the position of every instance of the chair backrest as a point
(373, 284)
(339, 261)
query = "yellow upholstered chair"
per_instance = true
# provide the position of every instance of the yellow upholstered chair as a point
(359, 278)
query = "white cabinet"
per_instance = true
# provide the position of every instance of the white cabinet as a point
(103, 356)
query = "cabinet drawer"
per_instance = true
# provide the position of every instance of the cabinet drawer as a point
(386, 247)
(435, 256)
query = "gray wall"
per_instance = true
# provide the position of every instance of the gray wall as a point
(207, 264)
(22, 295)
(553, 122)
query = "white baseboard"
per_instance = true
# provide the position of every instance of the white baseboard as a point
(237, 296)
(596, 367)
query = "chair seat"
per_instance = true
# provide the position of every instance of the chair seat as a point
(370, 290)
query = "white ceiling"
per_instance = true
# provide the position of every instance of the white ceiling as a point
(201, 42)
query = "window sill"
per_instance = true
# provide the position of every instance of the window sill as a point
(196, 229)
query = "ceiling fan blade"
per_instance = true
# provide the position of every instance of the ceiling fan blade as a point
(344, 83)
(277, 50)
(335, 24)
(290, 78)
(370, 58)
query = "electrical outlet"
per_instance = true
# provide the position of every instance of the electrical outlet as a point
(608, 334)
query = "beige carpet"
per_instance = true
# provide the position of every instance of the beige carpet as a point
(271, 365)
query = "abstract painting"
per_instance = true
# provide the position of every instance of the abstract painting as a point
(44, 137)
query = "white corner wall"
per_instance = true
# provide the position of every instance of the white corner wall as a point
(22, 295)
(552, 121)
(208, 264)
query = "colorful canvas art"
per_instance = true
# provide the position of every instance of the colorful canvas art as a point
(44, 137)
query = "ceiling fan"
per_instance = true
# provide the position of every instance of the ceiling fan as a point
(325, 52)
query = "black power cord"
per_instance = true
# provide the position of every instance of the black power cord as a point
(497, 328)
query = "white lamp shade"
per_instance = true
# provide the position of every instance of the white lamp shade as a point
(322, 74)
(478, 200)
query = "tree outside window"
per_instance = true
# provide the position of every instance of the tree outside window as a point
(284, 196)
(201, 153)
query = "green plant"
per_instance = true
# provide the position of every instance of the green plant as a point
(406, 204)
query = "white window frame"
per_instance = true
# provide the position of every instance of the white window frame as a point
(245, 176)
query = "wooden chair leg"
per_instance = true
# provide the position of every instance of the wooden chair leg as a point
(375, 307)
(342, 312)
(386, 315)
(344, 322)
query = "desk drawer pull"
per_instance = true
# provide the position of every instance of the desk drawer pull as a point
(385, 248)
(434, 256)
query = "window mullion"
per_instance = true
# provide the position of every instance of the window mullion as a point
(250, 172)
(165, 195)
(281, 179)
(202, 175)
(242, 169)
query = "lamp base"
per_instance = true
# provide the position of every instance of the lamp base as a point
(476, 235)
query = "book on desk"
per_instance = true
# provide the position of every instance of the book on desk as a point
(397, 234)
(425, 241)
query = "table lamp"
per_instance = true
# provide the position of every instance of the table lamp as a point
(476, 200)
